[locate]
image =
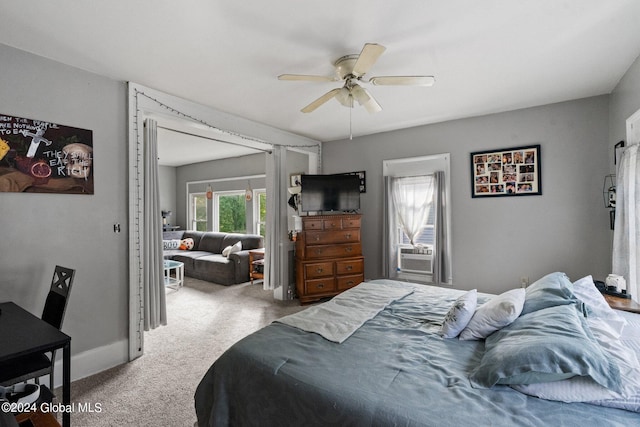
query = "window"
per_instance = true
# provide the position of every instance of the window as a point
(426, 237)
(230, 212)
(412, 203)
(198, 211)
(429, 258)
(260, 211)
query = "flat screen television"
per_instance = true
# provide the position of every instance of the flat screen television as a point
(330, 193)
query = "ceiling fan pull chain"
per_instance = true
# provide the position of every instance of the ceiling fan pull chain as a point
(350, 121)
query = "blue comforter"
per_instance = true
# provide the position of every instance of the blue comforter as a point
(393, 371)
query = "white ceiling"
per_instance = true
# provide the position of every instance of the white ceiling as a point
(184, 143)
(487, 57)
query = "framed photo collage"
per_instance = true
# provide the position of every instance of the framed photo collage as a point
(506, 172)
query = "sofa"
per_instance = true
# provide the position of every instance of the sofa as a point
(203, 257)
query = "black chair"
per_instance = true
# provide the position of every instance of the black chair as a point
(35, 366)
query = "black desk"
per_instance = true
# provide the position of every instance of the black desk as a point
(22, 333)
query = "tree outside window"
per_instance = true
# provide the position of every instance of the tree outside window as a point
(232, 215)
(261, 197)
(229, 212)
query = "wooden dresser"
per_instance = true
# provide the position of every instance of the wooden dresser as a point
(328, 256)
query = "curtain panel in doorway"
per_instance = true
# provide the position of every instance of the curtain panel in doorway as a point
(153, 298)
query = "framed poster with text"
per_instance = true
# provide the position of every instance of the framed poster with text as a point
(43, 157)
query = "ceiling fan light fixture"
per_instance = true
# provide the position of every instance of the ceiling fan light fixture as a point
(372, 106)
(344, 97)
(365, 99)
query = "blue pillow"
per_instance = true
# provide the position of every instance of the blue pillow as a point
(549, 291)
(547, 345)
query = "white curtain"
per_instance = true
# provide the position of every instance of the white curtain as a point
(411, 198)
(154, 304)
(626, 236)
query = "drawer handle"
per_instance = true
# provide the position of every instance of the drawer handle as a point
(320, 285)
(333, 224)
(318, 251)
(350, 282)
(348, 235)
(349, 267)
(348, 249)
(319, 270)
(317, 238)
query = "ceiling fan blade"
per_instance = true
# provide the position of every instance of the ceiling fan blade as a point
(307, 78)
(368, 56)
(318, 102)
(365, 99)
(403, 80)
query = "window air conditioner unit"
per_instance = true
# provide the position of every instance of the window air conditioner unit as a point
(416, 260)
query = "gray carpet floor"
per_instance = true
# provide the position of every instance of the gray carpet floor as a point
(204, 319)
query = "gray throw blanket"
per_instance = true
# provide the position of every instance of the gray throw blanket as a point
(337, 319)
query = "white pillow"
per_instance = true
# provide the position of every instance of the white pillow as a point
(459, 314)
(495, 314)
(225, 251)
(576, 389)
(232, 249)
(171, 244)
(585, 290)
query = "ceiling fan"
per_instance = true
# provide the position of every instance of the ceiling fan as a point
(351, 69)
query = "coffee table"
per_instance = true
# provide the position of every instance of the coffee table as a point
(177, 280)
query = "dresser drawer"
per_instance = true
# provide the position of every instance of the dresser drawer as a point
(332, 224)
(332, 251)
(351, 223)
(312, 224)
(350, 266)
(346, 282)
(318, 269)
(325, 237)
(319, 286)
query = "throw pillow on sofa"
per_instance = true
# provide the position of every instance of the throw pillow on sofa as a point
(171, 244)
(186, 244)
(231, 249)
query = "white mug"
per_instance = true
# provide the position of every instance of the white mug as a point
(617, 281)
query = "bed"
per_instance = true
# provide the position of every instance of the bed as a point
(391, 365)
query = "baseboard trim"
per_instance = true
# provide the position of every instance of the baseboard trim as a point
(92, 361)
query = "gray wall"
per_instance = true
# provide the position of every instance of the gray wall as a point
(167, 184)
(625, 100)
(42, 230)
(498, 240)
